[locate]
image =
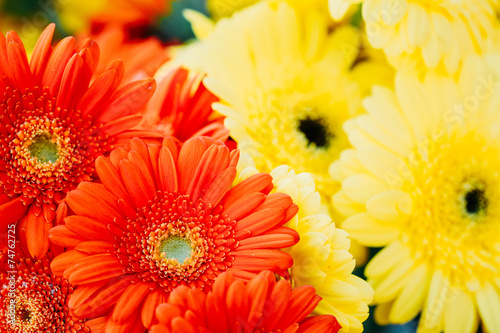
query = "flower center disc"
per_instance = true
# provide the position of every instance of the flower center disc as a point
(475, 201)
(44, 149)
(176, 248)
(314, 131)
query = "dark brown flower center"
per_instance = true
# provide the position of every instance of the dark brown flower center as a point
(25, 315)
(475, 201)
(315, 131)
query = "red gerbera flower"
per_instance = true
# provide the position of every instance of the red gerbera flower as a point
(261, 305)
(53, 125)
(34, 300)
(165, 217)
(182, 107)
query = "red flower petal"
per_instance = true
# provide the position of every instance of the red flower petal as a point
(96, 268)
(134, 181)
(57, 63)
(111, 179)
(63, 236)
(88, 228)
(219, 186)
(98, 94)
(74, 82)
(153, 299)
(278, 241)
(21, 73)
(41, 52)
(260, 221)
(12, 211)
(79, 201)
(255, 183)
(167, 171)
(37, 235)
(244, 205)
(214, 160)
(189, 157)
(130, 300)
(95, 247)
(103, 299)
(65, 260)
(4, 62)
(129, 99)
(83, 293)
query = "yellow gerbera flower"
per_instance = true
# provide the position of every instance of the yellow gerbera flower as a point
(321, 258)
(432, 33)
(423, 180)
(285, 86)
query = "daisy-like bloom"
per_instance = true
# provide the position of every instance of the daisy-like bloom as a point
(321, 258)
(284, 86)
(423, 32)
(35, 300)
(423, 182)
(141, 57)
(165, 217)
(182, 107)
(54, 124)
(261, 305)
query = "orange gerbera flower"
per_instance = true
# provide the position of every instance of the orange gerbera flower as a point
(165, 217)
(54, 125)
(261, 305)
(142, 57)
(182, 107)
(35, 300)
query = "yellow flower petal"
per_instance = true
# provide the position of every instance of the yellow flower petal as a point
(488, 303)
(409, 303)
(460, 315)
(369, 231)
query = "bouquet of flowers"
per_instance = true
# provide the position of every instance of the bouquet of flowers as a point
(236, 166)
